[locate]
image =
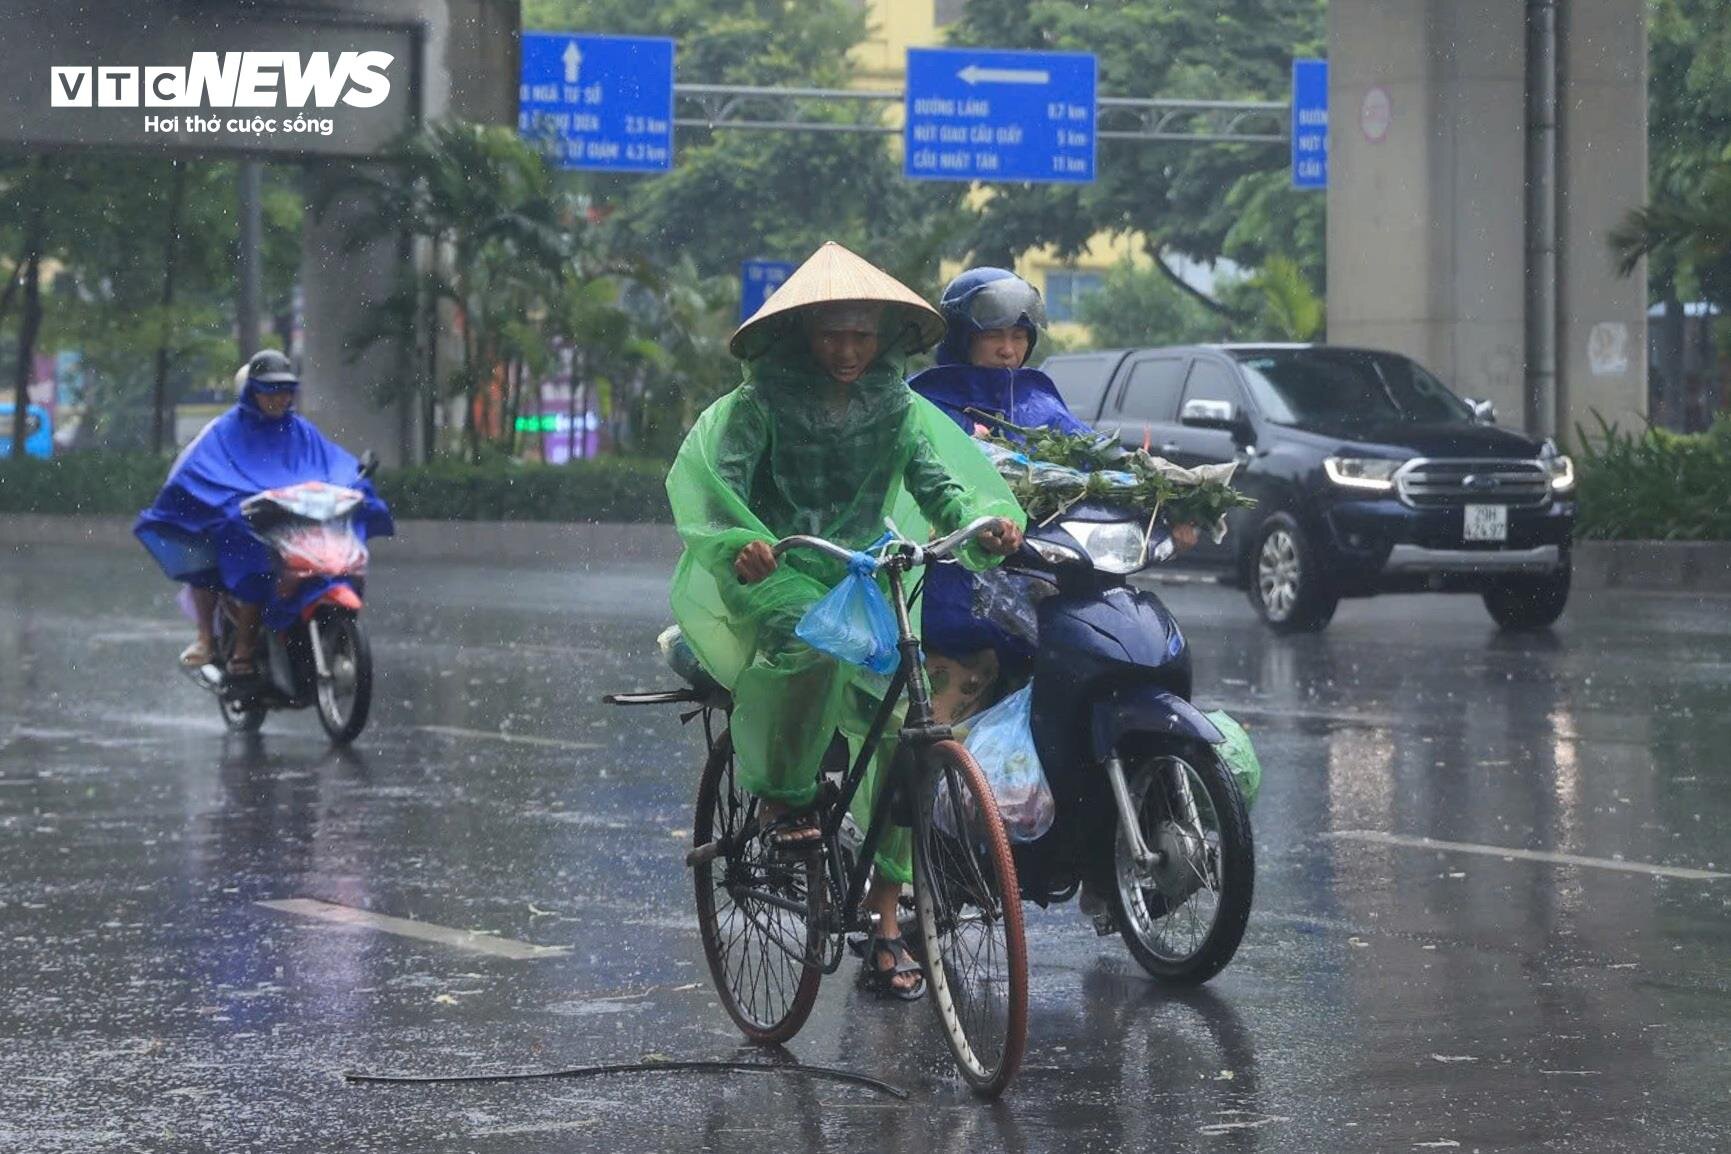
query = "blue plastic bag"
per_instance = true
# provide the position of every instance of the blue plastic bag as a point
(853, 622)
(1002, 741)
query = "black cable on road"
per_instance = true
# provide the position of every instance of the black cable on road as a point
(846, 1076)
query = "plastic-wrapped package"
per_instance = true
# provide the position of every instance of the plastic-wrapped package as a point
(1238, 754)
(854, 622)
(1002, 741)
(1048, 476)
(1011, 601)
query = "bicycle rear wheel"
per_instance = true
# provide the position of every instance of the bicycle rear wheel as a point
(760, 912)
(970, 917)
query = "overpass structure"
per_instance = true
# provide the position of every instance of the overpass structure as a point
(1481, 150)
(114, 74)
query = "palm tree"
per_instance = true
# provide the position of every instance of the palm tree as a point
(1690, 230)
(490, 221)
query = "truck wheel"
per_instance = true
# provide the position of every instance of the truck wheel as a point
(1529, 602)
(1286, 582)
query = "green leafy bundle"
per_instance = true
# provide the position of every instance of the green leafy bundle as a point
(1049, 471)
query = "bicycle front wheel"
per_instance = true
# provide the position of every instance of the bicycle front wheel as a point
(970, 917)
(759, 911)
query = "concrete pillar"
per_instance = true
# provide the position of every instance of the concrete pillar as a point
(1426, 212)
(1602, 174)
(468, 69)
(349, 388)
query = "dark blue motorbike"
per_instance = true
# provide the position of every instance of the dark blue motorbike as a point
(1151, 825)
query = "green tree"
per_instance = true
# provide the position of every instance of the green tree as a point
(498, 235)
(135, 259)
(1136, 307)
(1199, 201)
(735, 194)
(1682, 232)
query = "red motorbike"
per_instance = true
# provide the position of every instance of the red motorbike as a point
(314, 651)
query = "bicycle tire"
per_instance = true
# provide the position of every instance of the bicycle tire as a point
(965, 900)
(766, 992)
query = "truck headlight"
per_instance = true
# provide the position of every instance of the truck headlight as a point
(1373, 473)
(1562, 473)
(1113, 546)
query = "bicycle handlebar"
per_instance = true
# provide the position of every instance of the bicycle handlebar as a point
(818, 543)
(937, 551)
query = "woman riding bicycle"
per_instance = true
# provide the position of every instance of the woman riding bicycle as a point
(823, 437)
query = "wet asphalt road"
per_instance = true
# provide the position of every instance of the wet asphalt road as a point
(1387, 997)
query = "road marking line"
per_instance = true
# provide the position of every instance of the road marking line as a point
(512, 738)
(1379, 838)
(535, 1128)
(423, 931)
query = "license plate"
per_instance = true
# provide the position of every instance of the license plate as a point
(1487, 523)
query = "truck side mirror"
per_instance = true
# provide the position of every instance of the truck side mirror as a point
(1222, 415)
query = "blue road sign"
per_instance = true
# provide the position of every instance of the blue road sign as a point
(1310, 124)
(601, 102)
(987, 115)
(757, 279)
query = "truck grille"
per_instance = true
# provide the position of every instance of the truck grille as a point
(1442, 484)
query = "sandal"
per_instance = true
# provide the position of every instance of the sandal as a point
(197, 655)
(241, 669)
(879, 982)
(791, 830)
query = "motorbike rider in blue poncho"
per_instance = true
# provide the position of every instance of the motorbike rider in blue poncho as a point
(195, 529)
(995, 320)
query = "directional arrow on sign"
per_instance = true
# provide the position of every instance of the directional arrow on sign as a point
(974, 74)
(573, 59)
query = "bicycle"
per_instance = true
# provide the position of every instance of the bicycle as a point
(774, 921)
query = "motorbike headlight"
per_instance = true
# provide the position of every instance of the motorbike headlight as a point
(1053, 553)
(1372, 473)
(1113, 546)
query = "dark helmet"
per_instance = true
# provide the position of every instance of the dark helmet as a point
(271, 372)
(988, 298)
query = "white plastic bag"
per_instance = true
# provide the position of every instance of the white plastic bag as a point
(1002, 741)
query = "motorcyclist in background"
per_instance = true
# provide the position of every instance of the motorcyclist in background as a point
(194, 528)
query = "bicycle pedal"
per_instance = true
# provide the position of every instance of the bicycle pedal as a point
(1105, 925)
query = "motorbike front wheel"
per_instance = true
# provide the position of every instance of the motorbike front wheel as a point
(345, 690)
(1183, 918)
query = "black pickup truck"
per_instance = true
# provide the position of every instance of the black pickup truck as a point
(1370, 476)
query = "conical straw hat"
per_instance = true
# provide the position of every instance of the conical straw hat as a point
(832, 273)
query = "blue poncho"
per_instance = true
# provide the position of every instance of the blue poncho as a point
(195, 530)
(1025, 397)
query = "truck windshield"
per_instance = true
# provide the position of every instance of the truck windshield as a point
(1346, 387)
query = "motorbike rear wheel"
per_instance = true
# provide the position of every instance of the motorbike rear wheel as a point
(345, 692)
(1183, 919)
(238, 716)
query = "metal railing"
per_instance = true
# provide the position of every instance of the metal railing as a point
(1116, 117)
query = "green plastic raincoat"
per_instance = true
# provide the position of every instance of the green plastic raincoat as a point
(781, 455)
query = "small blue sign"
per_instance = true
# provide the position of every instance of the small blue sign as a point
(1310, 124)
(991, 115)
(601, 102)
(757, 279)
